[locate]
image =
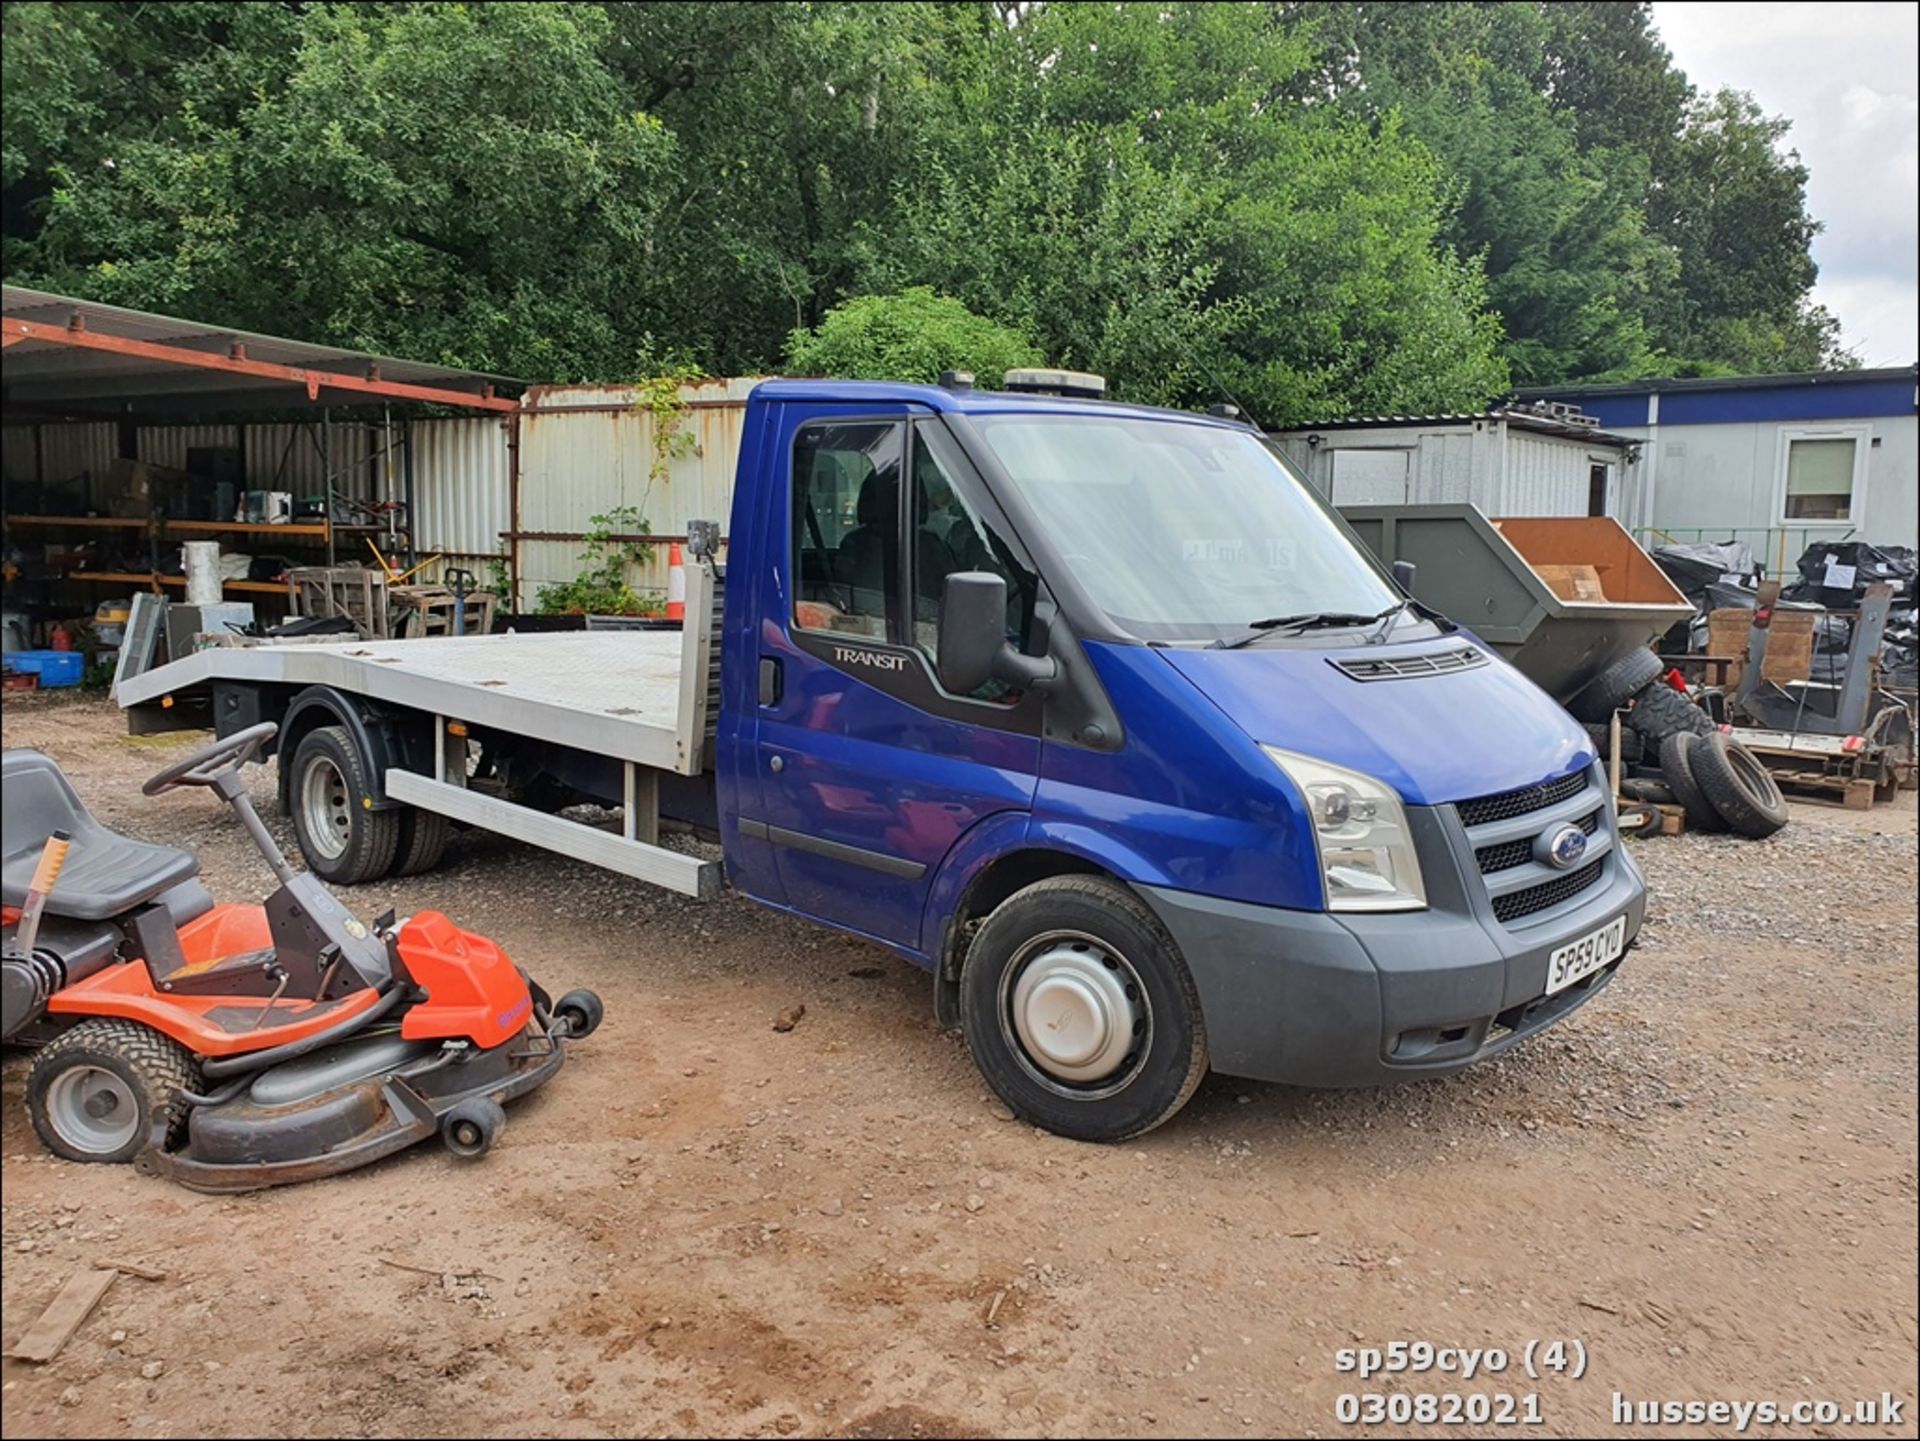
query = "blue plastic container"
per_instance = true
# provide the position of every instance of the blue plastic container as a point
(55, 668)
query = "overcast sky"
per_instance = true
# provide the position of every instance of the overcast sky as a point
(1848, 76)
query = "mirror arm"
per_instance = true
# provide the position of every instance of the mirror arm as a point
(1027, 672)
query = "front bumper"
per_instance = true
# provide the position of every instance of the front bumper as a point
(1315, 999)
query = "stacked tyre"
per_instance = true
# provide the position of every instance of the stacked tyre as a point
(1721, 784)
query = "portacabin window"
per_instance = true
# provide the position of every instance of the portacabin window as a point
(1822, 471)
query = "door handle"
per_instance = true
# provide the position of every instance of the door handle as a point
(772, 680)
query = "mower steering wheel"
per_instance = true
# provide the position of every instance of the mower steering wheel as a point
(206, 765)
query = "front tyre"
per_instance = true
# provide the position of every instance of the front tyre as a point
(1079, 1011)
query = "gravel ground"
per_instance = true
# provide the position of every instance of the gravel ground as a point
(709, 1225)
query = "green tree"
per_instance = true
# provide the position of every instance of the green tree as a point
(462, 182)
(1732, 203)
(1127, 185)
(910, 336)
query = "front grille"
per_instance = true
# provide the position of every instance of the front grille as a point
(1510, 908)
(1403, 667)
(1508, 854)
(1509, 804)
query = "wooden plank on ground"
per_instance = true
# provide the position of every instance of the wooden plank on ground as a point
(45, 1337)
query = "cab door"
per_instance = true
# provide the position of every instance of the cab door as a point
(869, 771)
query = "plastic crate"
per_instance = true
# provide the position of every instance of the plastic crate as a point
(55, 668)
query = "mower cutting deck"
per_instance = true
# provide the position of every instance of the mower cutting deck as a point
(232, 1047)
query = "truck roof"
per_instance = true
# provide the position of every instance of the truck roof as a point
(972, 402)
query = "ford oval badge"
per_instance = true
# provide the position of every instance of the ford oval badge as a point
(1567, 847)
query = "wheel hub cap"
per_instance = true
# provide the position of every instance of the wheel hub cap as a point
(93, 1109)
(328, 817)
(1072, 1012)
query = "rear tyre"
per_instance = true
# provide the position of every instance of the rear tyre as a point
(344, 841)
(1079, 1011)
(423, 840)
(1738, 785)
(96, 1091)
(1676, 764)
(581, 1010)
(470, 1128)
(1619, 683)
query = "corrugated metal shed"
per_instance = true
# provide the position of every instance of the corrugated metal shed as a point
(589, 450)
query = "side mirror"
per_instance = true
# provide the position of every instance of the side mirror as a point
(973, 646)
(1403, 575)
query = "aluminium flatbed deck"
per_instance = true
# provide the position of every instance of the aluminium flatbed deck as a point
(623, 694)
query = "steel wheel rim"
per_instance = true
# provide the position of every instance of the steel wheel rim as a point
(1075, 1014)
(325, 810)
(93, 1109)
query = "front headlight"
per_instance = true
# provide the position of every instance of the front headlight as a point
(1366, 850)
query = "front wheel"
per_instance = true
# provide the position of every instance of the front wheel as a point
(1079, 1011)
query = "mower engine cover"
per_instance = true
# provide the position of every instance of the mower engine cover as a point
(474, 992)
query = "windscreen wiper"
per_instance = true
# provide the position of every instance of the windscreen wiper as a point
(1311, 620)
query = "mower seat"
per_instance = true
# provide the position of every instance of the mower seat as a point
(106, 873)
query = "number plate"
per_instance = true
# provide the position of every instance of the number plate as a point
(1586, 955)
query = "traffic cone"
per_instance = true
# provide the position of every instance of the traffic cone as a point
(676, 584)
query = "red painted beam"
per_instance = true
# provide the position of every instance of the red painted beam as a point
(13, 331)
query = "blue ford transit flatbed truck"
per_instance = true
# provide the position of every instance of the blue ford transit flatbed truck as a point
(1095, 711)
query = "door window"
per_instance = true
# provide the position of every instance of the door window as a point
(950, 534)
(846, 529)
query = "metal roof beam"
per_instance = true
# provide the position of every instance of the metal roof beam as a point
(13, 331)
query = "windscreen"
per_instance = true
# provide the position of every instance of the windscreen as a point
(1180, 531)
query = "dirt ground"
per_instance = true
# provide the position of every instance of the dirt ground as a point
(1707, 1178)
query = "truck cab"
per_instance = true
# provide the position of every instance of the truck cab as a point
(1100, 713)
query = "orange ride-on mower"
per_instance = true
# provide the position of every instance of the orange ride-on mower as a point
(232, 1047)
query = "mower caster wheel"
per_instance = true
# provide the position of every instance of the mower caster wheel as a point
(581, 1010)
(469, 1128)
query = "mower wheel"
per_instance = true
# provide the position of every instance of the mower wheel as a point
(469, 1128)
(95, 1091)
(581, 1010)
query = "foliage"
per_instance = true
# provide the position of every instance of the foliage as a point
(659, 396)
(601, 587)
(1321, 206)
(465, 183)
(1627, 226)
(913, 335)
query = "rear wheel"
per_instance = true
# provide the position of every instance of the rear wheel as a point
(96, 1091)
(344, 840)
(423, 840)
(1079, 1011)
